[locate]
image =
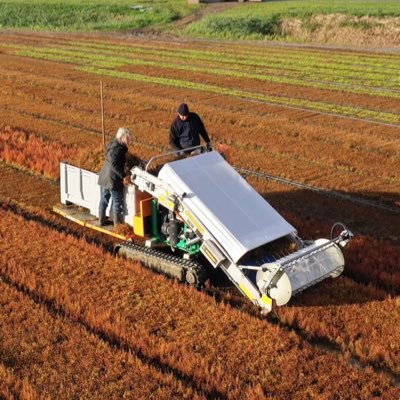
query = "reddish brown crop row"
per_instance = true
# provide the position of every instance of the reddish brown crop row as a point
(368, 260)
(215, 345)
(12, 387)
(360, 320)
(29, 151)
(62, 359)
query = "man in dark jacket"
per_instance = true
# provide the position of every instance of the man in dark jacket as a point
(112, 177)
(186, 130)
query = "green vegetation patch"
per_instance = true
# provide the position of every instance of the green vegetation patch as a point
(72, 15)
(257, 21)
(328, 108)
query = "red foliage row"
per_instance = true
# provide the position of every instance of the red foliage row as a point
(221, 349)
(371, 260)
(361, 320)
(62, 359)
(32, 152)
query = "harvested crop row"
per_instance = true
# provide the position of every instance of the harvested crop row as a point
(219, 352)
(63, 360)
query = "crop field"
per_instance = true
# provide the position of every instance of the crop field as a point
(316, 131)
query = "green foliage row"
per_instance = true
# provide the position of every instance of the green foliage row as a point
(72, 15)
(321, 73)
(109, 61)
(329, 108)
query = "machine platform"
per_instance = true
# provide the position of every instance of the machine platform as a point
(82, 216)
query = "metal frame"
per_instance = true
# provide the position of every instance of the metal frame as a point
(200, 146)
(291, 258)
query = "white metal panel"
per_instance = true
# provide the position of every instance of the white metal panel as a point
(80, 187)
(234, 213)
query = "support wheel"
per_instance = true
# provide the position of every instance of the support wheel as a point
(195, 276)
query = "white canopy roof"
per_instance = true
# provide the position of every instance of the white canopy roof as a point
(234, 213)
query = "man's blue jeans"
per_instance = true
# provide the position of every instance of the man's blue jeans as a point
(117, 197)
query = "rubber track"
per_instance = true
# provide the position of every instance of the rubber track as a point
(160, 261)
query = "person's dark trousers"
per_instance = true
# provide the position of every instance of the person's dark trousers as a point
(117, 205)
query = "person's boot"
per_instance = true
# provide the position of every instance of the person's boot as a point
(103, 220)
(117, 219)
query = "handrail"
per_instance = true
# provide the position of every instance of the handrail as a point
(173, 152)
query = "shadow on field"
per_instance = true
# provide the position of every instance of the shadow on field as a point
(313, 214)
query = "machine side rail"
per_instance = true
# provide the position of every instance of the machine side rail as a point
(199, 147)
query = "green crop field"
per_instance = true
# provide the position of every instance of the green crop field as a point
(256, 21)
(91, 15)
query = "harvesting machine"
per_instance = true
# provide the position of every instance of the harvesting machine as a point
(198, 214)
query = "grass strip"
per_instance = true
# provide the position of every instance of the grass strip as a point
(97, 15)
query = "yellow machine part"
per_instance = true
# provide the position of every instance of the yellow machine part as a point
(144, 210)
(76, 214)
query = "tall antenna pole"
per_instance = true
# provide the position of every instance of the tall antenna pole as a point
(102, 115)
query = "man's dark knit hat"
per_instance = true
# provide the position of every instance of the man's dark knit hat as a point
(183, 109)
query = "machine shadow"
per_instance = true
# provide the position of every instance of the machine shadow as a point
(313, 213)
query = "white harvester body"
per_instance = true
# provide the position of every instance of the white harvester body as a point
(231, 222)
